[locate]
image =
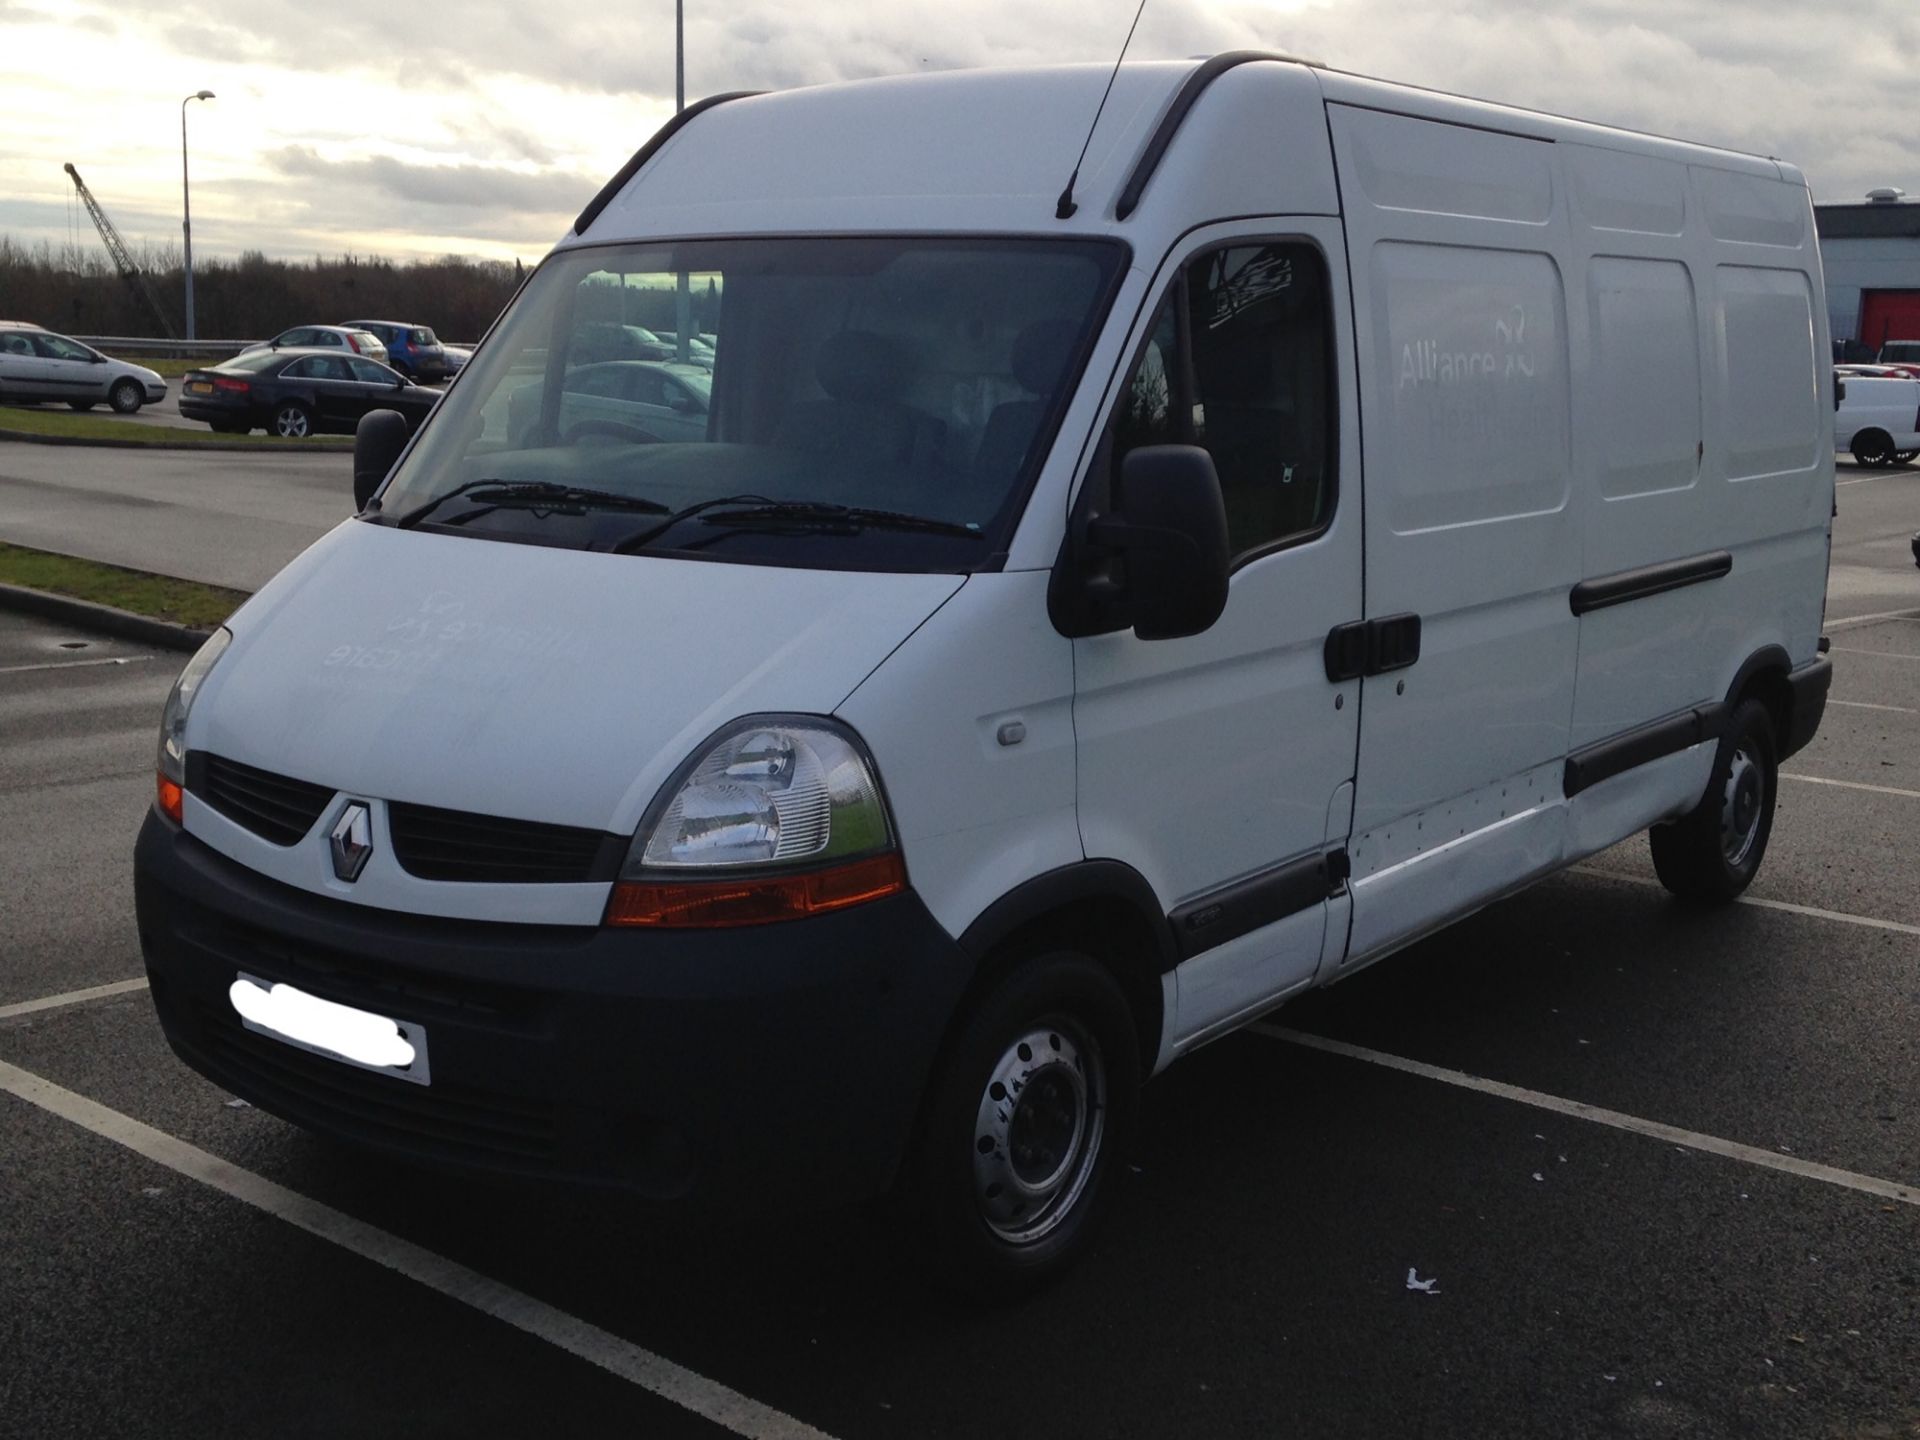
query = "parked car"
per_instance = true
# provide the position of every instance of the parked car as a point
(296, 393)
(457, 357)
(1024, 683)
(597, 340)
(346, 338)
(623, 399)
(1878, 420)
(37, 365)
(414, 350)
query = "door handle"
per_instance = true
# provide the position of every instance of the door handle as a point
(1372, 647)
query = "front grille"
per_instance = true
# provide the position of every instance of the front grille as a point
(453, 845)
(363, 981)
(274, 807)
(451, 1120)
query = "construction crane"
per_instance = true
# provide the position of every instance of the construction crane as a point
(122, 258)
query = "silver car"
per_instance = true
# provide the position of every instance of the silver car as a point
(344, 338)
(37, 365)
(624, 400)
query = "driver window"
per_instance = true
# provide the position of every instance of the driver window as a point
(1249, 377)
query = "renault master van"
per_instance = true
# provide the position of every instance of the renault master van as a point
(1087, 613)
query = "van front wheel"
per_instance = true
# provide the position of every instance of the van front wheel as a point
(1024, 1126)
(1713, 854)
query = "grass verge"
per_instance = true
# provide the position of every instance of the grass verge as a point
(71, 425)
(184, 602)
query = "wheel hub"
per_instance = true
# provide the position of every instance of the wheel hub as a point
(1740, 807)
(1038, 1130)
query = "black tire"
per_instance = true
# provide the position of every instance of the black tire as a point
(1874, 448)
(1905, 457)
(126, 397)
(1712, 854)
(1029, 1115)
(291, 421)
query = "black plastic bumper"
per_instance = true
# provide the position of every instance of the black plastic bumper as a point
(1810, 683)
(776, 1063)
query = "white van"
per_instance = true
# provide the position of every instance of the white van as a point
(1085, 620)
(1878, 420)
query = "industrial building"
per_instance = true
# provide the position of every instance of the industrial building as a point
(1871, 253)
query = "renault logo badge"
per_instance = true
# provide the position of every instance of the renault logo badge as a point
(352, 841)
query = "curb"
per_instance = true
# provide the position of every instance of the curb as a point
(28, 438)
(103, 618)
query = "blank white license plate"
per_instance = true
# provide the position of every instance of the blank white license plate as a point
(339, 1032)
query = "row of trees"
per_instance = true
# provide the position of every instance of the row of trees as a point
(77, 290)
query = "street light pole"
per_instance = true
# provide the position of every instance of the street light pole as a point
(186, 205)
(683, 289)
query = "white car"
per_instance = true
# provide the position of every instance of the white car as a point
(326, 337)
(37, 365)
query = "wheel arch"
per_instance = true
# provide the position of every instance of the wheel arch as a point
(1103, 908)
(1762, 676)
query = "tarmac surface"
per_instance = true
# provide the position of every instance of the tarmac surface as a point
(1657, 1165)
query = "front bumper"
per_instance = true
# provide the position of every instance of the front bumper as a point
(769, 1064)
(156, 393)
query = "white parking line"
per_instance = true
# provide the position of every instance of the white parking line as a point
(1691, 1139)
(1855, 785)
(1882, 654)
(1812, 912)
(1863, 705)
(72, 997)
(658, 1376)
(1848, 621)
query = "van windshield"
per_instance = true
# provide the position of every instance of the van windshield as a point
(836, 402)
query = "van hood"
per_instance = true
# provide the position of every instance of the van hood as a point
(530, 682)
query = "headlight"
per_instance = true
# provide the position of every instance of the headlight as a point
(172, 765)
(782, 816)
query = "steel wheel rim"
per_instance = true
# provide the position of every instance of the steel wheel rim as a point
(292, 424)
(1741, 806)
(1038, 1131)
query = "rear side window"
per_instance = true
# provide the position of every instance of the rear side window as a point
(1239, 361)
(422, 337)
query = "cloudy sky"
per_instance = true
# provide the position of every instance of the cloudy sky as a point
(408, 127)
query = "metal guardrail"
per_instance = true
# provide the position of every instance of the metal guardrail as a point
(146, 345)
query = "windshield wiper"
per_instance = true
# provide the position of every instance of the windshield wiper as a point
(756, 511)
(536, 495)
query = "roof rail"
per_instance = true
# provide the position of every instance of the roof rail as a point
(646, 152)
(1203, 76)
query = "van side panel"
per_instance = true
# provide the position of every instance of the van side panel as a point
(1457, 239)
(1701, 443)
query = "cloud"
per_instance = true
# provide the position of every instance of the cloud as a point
(469, 187)
(1774, 82)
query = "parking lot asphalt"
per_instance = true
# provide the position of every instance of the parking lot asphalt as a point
(1658, 1164)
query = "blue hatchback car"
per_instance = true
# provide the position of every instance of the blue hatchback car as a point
(414, 350)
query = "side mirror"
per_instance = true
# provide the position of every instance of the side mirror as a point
(1171, 530)
(377, 442)
(685, 404)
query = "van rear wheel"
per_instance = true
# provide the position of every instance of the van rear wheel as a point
(1023, 1125)
(1712, 854)
(1905, 457)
